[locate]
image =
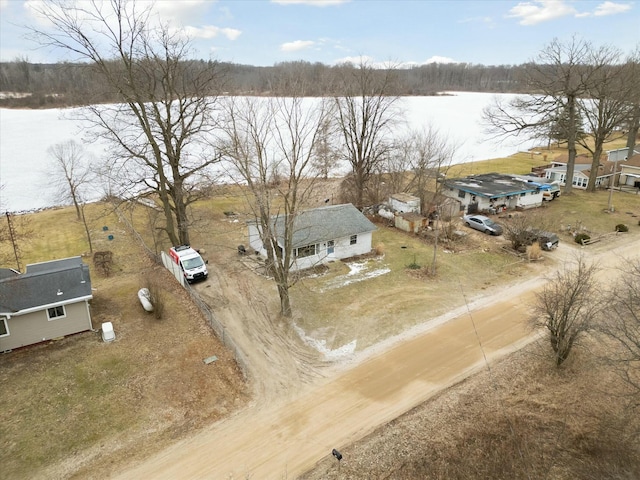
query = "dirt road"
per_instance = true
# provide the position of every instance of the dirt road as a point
(286, 437)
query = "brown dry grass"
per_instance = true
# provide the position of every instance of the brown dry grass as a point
(73, 408)
(151, 387)
(523, 419)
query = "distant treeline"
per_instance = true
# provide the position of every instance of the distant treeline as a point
(34, 85)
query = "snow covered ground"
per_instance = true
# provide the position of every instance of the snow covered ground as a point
(25, 136)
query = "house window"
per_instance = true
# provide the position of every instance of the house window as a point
(307, 251)
(4, 328)
(54, 313)
(580, 181)
(461, 194)
(353, 240)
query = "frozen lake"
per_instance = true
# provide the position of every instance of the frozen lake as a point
(25, 136)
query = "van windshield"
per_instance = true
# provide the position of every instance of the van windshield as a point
(192, 263)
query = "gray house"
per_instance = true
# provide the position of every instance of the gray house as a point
(50, 300)
(320, 235)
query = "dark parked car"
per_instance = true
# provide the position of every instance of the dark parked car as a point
(483, 224)
(547, 240)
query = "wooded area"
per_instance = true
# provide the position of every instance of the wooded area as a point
(29, 85)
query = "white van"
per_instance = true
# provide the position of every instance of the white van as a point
(191, 263)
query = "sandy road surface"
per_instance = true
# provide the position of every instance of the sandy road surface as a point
(284, 439)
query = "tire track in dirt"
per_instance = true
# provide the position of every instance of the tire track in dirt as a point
(244, 302)
(306, 419)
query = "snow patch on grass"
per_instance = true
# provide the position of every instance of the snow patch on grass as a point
(321, 346)
(358, 271)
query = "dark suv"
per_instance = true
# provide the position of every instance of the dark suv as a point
(547, 240)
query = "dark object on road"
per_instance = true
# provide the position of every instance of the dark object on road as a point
(336, 454)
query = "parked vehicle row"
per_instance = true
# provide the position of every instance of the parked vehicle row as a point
(547, 240)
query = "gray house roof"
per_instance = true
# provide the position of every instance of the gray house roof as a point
(324, 223)
(49, 283)
(621, 153)
(491, 185)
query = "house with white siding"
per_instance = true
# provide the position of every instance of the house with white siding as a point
(320, 235)
(492, 192)
(630, 172)
(581, 171)
(49, 300)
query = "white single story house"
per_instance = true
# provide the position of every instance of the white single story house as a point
(492, 192)
(320, 235)
(581, 171)
(50, 300)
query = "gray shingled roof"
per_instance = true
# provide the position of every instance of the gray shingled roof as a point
(54, 282)
(490, 185)
(325, 223)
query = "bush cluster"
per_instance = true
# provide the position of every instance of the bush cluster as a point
(621, 227)
(580, 237)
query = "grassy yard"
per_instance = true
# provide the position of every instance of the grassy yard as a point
(151, 385)
(72, 407)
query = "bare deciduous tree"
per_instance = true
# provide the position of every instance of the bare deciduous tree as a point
(557, 82)
(608, 87)
(633, 122)
(365, 115)
(70, 173)
(14, 230)
(166, 105)
(430, 157)
(622, 323)
(568, 306)
(326, 154)
(521, 230)
(269, 145)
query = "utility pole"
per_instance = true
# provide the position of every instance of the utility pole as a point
(12, 235)
(613, 182)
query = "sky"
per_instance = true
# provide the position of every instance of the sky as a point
(403, 33)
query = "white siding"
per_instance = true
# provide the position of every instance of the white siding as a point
(342, 249)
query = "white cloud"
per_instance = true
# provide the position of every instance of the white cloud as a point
(611, 8)
(313, 3)
(531, 13)
(438, 59)
(210, 31)
(355, 60)
(186, 11)
(297, 45)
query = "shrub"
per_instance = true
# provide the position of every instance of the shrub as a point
(379, 249)
(103, 262)
(621, 227)
(580, 237)
(534, 252)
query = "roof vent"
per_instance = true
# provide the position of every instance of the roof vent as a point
(59, 292)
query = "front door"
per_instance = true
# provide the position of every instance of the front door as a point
(330, 247)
